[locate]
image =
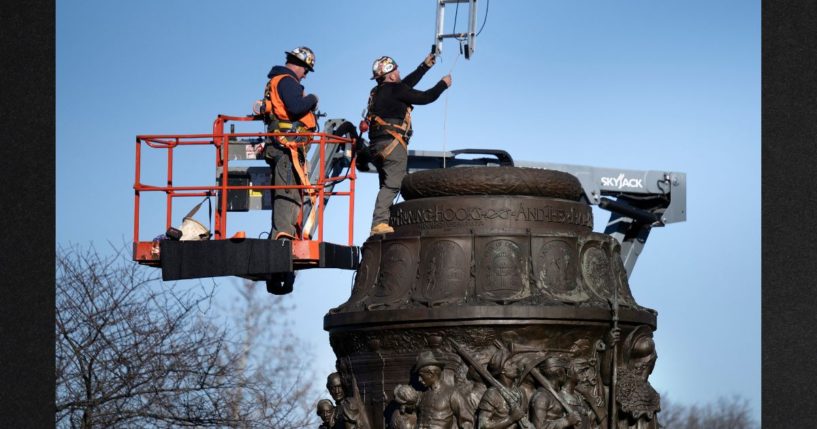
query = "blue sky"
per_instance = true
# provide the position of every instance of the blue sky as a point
(636, 84)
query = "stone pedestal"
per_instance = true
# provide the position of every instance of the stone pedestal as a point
(495, 261)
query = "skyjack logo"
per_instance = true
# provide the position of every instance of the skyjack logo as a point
(621, 182)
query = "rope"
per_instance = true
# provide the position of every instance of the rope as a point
(445, 109)
(445, 120)
(455, 60)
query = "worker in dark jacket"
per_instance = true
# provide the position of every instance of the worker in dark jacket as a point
(389, 119)
(288, 109)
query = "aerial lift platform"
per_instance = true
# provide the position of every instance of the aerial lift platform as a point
(213, 254)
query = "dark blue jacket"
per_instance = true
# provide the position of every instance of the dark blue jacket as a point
(292, 93)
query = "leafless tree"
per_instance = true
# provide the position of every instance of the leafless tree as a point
(133, 352)
(725, 413)
(263, 331)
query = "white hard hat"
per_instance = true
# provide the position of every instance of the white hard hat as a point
(383, 66)
(303, 55)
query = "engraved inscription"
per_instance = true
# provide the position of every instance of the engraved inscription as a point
(443, 273)
(438, 217)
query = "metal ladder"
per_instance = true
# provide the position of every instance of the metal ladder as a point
(469, 37)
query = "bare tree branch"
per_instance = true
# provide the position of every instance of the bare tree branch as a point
(134, 352)
(725, 413)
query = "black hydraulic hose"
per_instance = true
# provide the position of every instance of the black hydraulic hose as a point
(346, 128)
(361, 149)
(349, 128)
(639, 215)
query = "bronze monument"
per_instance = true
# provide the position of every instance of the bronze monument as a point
(493, 304)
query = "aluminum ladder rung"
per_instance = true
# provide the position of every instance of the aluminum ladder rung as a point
(470, 36)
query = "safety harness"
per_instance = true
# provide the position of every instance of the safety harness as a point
(400, 131)
(296, 150)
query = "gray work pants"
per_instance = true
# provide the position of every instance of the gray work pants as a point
(390, 172)
(286, 203)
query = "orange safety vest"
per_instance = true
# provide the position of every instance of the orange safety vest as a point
(275, 105)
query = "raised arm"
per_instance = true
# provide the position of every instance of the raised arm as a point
(413, 78)
(415, 97)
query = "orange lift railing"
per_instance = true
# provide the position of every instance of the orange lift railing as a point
(307, 251)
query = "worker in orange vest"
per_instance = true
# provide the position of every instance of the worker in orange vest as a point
(288, 109)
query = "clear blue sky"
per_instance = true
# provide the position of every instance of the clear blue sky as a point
(636, 84)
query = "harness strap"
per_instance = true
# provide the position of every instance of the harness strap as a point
(390, 148)
(304, 179)
(388, 125)
(399, 138)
